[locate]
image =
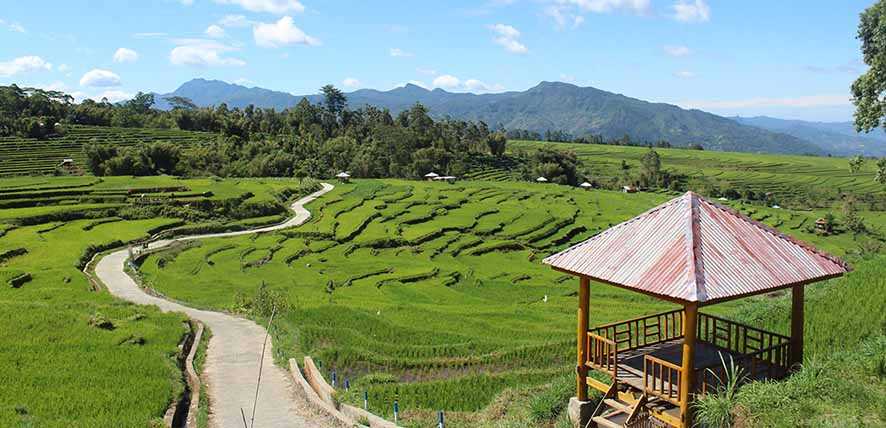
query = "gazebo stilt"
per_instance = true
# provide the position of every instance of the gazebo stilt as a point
(582, 339)
(797, 324)
(690, 328)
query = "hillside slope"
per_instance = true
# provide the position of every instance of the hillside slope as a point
(547, 106)
(838, 138)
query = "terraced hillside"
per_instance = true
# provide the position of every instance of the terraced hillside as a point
(793, 180)
(432, 293)
(71, 355)
(27, 156)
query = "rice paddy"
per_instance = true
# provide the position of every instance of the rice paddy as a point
(432, 294)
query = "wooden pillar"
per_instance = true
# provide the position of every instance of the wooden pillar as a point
(797, 325)
(581, 369)
(690, 328)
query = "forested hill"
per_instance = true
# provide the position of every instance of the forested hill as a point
(557, 106)
(838, 138)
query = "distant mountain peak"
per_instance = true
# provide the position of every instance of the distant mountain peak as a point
(549, 105)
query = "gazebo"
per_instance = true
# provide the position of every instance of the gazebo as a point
(343, 176)
(691, 252)
(431, 176)
(586, 185)
(541, 180)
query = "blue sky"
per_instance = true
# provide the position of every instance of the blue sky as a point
(793, 59)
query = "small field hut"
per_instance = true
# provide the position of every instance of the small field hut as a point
(694, 253)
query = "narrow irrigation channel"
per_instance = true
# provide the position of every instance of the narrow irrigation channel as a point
(235, 350)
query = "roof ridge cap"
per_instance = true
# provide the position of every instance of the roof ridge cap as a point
(696, 265)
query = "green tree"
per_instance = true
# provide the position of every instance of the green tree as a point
(496, 143)
(855, 163)
(180, 103)
(868, 89)
(881, 171)
(334, 99)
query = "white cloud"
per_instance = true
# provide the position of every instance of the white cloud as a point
(350, 82)
(676, 50)
(796, 102)
(203, 53)
(564, 16)
(215, 31)
(605, 6)
(452, 83)
(684, 74)
(100, 78)
(692, 11)
(397, 52)
(447, 81)
(63, 68)
(12, 26)
(507, 38)
(125, 55)
(113, 96)
(234, 21)
(281, 33)
(428, 71)
(278, 7)
(23, 64)
(475, 85)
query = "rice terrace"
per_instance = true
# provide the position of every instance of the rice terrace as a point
(487, 251)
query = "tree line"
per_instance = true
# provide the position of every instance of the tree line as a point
(316, 140)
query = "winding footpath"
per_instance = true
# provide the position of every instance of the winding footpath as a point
(234, 352)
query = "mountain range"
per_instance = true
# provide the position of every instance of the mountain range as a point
(576, 110)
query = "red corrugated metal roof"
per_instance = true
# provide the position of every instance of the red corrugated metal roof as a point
(694, 250)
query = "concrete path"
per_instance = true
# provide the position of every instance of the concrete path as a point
(232, 360)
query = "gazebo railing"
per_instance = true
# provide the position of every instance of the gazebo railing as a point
(662, 379)
(602, 354)
(643, 331)
(772, 348)
(760, 353)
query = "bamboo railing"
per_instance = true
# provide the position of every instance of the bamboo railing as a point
(602, 355)
(661, 379)
(643, 331)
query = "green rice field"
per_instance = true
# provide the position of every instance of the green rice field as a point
(430, 293)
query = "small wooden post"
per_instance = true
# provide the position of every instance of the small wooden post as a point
(797, 325)
(582, 339)
(690, 328)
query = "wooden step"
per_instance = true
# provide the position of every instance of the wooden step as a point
(618, 405)
(614, 419)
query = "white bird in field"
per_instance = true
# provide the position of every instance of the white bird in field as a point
(545, 299)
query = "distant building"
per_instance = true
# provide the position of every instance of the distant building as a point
(586, 185)
(629, 189)
(343, 176)
(541, 180)
(431, 176)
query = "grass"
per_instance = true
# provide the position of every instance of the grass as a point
(799, 181)
(437, 286)
(70, 356)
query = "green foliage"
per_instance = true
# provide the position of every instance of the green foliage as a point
(867, 90)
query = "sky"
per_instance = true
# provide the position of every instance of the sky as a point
(791, 59)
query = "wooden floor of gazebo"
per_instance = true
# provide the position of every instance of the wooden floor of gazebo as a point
(707, 357)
